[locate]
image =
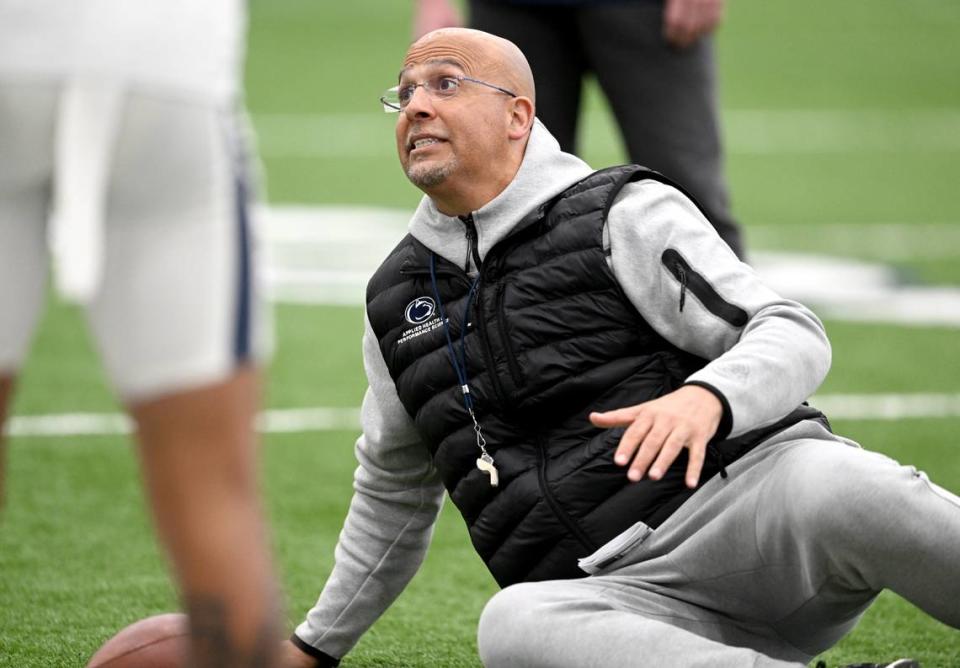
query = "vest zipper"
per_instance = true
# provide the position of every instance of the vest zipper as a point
(472, 240)
(683, 285)
(488, 349)
(559, 512)
(470, 227)
(512, 363)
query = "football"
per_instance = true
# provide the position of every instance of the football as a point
(160, 641)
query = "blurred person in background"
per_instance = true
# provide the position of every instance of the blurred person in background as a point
(654, 60)
(124, 164)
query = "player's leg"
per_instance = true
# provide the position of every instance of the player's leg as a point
(594, 624)
(664, 100)
(200, 466)
(179, 326)
(6, 396)
(548, 38)
(26, 130)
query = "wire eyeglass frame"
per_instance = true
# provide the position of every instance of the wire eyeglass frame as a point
(393, 102)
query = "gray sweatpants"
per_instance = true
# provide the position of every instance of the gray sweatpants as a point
(769, 567)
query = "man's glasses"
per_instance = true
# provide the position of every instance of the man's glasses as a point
(440, 87)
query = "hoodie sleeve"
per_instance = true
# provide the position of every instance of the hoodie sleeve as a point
(397, 496)
(766, 354)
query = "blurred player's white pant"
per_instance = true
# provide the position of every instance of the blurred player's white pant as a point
(150, 192)
(767, 568)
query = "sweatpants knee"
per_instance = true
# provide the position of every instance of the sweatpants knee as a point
(832, 499)
(829, 485)
(510, 624)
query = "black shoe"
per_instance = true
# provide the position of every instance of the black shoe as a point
(899, 663)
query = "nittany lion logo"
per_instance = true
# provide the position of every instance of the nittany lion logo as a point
(419, 310)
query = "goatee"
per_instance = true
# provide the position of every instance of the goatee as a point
(429, 176)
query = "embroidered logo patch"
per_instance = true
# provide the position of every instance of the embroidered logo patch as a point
(422, 314)
(419, 310)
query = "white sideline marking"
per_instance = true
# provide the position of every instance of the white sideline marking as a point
(887, 406)
(746, 131)
(857, 291)
(324, 255)
(275, 421)
(823, 131)
(325, 418)
(883, 242)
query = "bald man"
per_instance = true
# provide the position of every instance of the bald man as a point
(654, 61)
(615, 405)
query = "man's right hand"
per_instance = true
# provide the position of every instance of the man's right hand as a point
(657, 430)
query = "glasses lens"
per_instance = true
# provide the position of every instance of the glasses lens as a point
(396, 98)
(391, 100)
(445, 86)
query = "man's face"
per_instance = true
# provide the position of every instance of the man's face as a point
(446, 144)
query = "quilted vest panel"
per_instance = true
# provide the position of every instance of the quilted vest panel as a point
(547, 336)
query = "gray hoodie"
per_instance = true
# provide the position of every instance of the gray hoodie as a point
(764, 369)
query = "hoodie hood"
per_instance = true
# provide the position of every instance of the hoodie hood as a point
(545, 171)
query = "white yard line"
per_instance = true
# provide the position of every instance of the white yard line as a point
(276, 421)
(840, 288)
(824, 131)
(324, 255)
(747, 132)
(888, 406)
(326, 418)
(885, 242)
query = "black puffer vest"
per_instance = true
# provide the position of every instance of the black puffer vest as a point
(550, 336)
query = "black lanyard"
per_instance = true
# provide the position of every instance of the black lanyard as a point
(485, 462)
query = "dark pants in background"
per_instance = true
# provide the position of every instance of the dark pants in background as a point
(664, 99)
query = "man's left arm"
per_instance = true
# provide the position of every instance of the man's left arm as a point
(767, 354)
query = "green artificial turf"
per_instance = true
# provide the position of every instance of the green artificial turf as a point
(77, 556)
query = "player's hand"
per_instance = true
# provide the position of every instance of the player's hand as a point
(658, 430)
(686, 21)
(431, 15)
(292, 657)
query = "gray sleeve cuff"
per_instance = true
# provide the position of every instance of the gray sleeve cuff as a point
(324, 660)
(726, 420)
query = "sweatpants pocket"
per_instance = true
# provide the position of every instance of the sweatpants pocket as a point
(616, 549)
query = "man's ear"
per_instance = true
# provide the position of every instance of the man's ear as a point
(521, 117)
